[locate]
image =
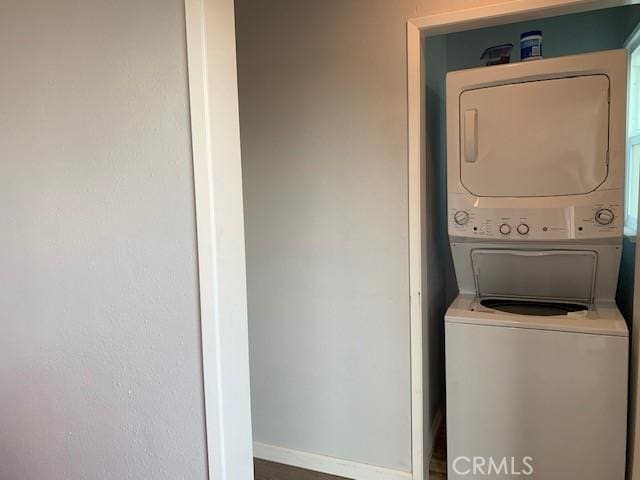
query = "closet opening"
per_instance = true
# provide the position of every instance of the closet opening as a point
(455, 47)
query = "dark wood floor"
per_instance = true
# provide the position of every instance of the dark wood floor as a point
(438, 463)
(275, 471)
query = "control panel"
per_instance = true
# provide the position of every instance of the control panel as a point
(526, 224)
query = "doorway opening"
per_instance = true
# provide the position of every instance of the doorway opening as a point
(437, 45)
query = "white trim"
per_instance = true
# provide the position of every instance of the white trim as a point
(213, 98)
(417, 209)
(418, 28)
(633, 40)
(630, 232)
(324, 464)
(506, 12)
(630, 222)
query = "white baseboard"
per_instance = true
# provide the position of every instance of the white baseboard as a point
(330, 465)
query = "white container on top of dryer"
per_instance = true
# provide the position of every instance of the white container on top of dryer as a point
(545, 136)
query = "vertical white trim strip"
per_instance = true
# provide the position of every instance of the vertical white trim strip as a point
(213, 97)
(415, 95)
(633, 435)
(633, 447)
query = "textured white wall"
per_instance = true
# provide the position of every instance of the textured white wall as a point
(323, 116)
(100, 371)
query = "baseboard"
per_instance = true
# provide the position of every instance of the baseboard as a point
(330, 465)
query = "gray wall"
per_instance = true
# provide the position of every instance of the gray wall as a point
(100, 371)
(323, 116)
(324, 170)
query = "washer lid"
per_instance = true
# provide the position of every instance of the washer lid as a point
(543, 274)
(540, 308)
(603, 318)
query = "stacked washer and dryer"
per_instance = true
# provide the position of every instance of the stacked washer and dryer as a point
(536, 349)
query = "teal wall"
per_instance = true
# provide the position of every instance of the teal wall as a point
(567, 35)
(624, 296)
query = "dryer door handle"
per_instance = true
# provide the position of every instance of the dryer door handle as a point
(471, 135)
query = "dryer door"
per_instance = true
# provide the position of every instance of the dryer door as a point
(540, 138)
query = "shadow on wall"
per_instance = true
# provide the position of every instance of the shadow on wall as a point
(441, 282)
(624, 294)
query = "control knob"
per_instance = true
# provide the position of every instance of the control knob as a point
(523, 229)
(505, 229)
(604, 216)
(461, 217)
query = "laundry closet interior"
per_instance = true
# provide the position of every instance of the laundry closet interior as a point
(491, 201)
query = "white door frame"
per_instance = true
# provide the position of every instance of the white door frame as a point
(215, 131)
(417, 30)
(633, 448)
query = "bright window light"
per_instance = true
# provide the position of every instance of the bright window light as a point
(633, 143)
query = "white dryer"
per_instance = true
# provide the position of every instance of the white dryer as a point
(536, 349)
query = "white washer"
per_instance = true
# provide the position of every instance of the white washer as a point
(553, 389)
(536, 349)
